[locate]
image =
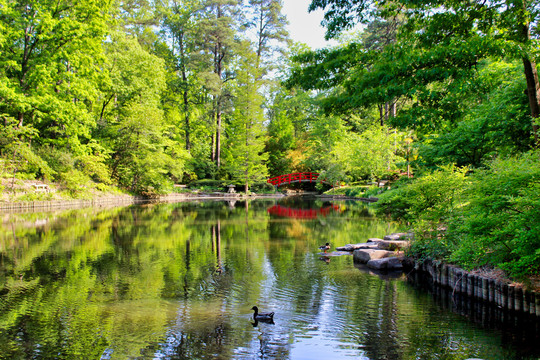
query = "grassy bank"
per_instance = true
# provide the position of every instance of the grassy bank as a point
(357, 190)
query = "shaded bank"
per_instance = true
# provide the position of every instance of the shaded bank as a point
(518, 328)
(496, 293)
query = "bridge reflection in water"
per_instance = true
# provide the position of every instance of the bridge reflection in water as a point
(284, 211)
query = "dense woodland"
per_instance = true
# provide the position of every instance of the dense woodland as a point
(442, 95)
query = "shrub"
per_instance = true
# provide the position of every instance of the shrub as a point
(59, 161)
(262, 187)
(427, 203)
(432, 197)
(75, 183)
(500, 226)
(355, 190)
(209, 185)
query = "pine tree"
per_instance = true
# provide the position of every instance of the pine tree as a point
(246, 160)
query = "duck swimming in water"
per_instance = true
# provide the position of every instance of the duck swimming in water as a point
(325, 247)
(264, 317)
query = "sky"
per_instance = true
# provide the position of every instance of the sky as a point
(303, 26)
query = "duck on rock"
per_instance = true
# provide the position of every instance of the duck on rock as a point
(265, 317)
(325, 247)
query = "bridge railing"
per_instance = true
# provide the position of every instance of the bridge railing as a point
(294, 177)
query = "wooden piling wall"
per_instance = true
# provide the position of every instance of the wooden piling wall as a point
(505, 296)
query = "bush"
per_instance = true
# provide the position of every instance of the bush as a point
(75, 183)
(500, 226)
(427, 203)
(59, 161)
(373, 190)
(262, 187)
(209, 185)
(433, 197)
(350, 190)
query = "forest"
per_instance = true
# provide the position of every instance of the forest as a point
(442, 98)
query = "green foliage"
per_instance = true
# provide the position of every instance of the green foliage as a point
(60, 160)
(497, 122)
(246, 160)
(490, 218)
(262, 188)
(432, 197)
(48, 66)
(75, 183)
(500, 225)
(373, 191)
(370, 154)
(428, 203)
(280, 135)
(209, 185)
(350, 190)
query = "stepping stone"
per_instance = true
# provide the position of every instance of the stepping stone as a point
(365, 255)
(390, 263)
(352, 247)
(392, 245)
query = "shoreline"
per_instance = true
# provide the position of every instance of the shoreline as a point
(120, 200)
(489, 287)
(500, 293)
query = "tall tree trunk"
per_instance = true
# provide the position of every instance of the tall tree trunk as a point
(186, 89)
(533, 92)
(218, 135)
(213, 121)
(247, 158)
(260, 35)
(218, 68)
(186, 110)
(531, 74)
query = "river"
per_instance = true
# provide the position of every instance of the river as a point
(177, 281)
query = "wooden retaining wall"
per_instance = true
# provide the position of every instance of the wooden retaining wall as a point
(523, 329)
(498, 293)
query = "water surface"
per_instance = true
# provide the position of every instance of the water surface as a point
(177, 281)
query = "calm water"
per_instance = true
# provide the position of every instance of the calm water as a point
(177, 281)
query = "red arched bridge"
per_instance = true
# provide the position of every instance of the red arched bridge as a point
(296, 177)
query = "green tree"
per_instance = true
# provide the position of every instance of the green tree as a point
(218, 27)
(247, 159)
(49, 73)
(269, 24)
(444, 35)
(496, 122)
(179, 28)
(280, 136)
(144, 155)
(370, 154)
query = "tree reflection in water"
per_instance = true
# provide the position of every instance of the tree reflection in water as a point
(176, 281)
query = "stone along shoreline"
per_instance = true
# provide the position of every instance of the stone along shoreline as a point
(387, 254)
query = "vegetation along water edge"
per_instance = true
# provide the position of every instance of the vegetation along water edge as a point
(437, 101)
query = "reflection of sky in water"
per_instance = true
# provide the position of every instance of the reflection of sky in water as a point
(177, 281)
